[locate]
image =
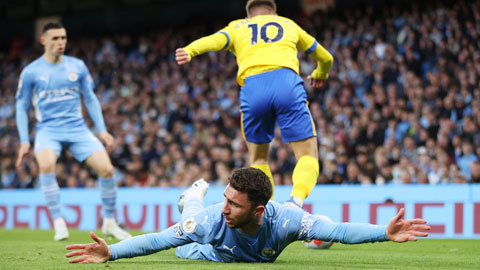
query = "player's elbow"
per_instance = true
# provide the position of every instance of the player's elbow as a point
(21, 105)
(328, 59)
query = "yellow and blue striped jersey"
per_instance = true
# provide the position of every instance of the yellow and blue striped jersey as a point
(265, 43)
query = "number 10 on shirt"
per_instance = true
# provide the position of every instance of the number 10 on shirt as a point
(263, 32)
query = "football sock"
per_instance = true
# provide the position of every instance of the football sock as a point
(266, 170)
(108, 192)
(51, 191)
(304, 177)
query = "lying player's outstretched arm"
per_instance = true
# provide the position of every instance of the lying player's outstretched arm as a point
(140, 245)
(398, 230)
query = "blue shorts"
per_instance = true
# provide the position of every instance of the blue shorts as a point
(275, 96)
(80, 141)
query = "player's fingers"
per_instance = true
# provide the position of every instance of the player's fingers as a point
(179, 56)
(75, 253)
(95, 237)
(419, 221)
(422, 234)
(76, 246)
(399, 215)
(420, 227)
(78, 260)
(19, 160)
(182, 59)
(310, 81)
(412, 238)
(109, 141)
(181, 53)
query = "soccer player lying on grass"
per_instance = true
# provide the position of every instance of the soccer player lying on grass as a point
(246, 227)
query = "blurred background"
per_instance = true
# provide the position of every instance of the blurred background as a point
(401, 105)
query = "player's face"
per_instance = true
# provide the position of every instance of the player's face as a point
(54, 41)
(238, 210)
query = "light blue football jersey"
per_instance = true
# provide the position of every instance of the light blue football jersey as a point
(55, 91)
(206, 236)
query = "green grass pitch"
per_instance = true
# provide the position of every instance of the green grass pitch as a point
(35, 249)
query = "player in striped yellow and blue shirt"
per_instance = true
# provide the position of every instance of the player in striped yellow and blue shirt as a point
(272, 91)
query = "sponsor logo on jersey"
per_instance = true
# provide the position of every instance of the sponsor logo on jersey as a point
(72, 76)
(189, 225)
(229, 248)
(55, 95)
(306, 225)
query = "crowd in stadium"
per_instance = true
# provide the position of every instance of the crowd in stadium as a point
(401, 105)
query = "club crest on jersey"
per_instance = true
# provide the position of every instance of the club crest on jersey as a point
(268, 252)
(72, 76)
(189, 225)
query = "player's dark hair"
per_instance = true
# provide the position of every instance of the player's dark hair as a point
(253, 182)
(251, 4)
(51, 25)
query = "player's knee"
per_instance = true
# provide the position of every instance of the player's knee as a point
(106, 171)
(46, 167)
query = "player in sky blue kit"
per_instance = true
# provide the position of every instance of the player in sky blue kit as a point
(246, 227)
(54, 85)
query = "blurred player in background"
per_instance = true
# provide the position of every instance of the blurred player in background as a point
(245, 228)
(265, 45)
(54, 83)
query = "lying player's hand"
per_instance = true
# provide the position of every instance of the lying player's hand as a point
(90, 253)
(181, 56)
(403, 230)
(24, 148)
(316, 83)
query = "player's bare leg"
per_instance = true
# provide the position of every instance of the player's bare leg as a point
(46, 159)
(258, 156)
(101, 164)
(306, 171)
